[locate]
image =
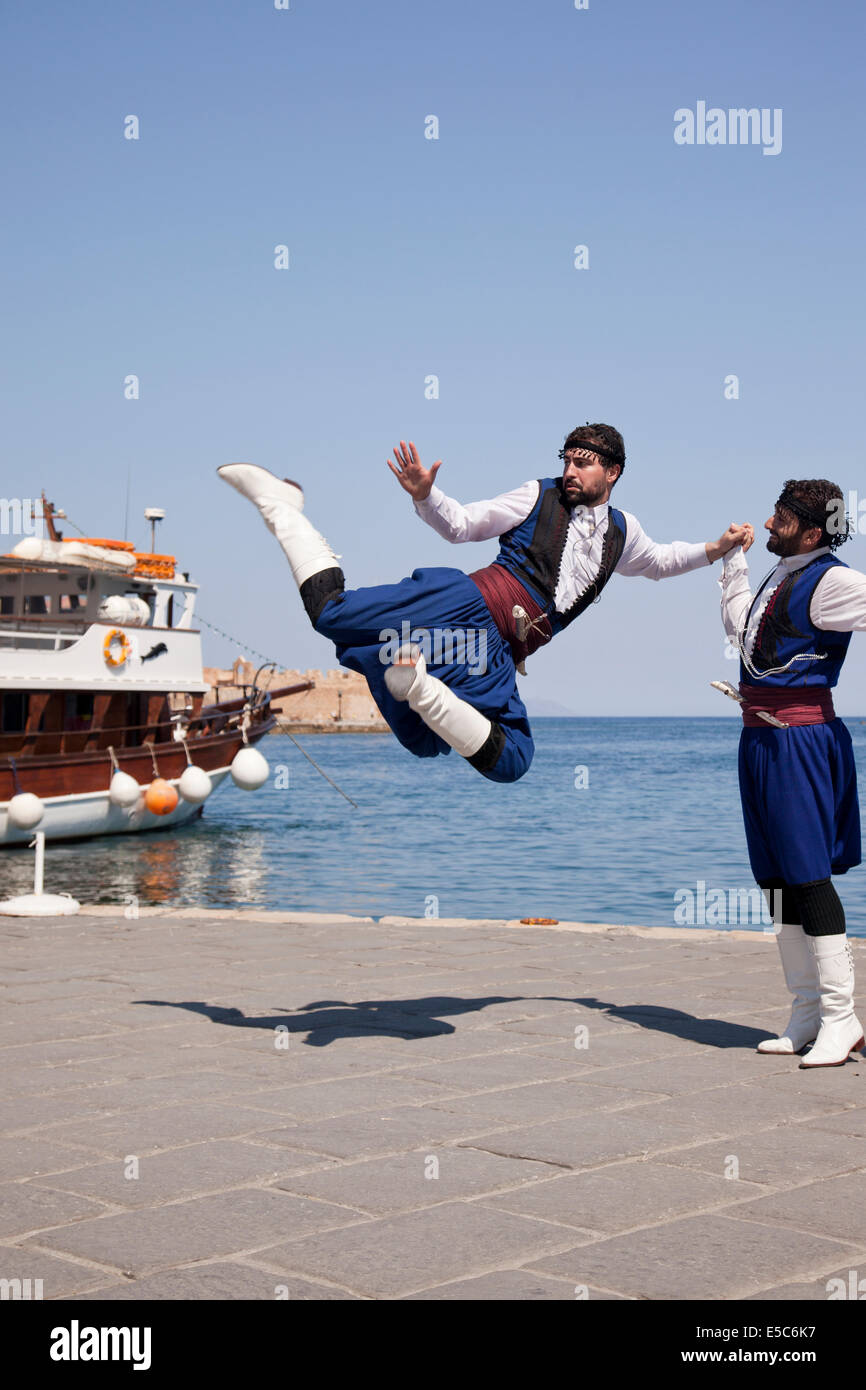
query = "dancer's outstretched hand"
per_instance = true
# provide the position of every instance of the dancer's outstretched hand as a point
(741, 534)
(411, 474)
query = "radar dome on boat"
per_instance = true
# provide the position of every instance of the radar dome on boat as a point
(160, 797)
(194, 785)
(124, 790)
(249, 769)
(26, 810)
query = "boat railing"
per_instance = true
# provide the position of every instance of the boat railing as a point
(38, 742)
(56, 640)
(20, 623)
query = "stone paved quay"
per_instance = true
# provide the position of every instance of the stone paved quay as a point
(238, 1105)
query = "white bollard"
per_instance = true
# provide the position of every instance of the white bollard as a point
(38, 903)
(39, 874)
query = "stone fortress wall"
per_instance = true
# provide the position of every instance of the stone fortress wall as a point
(340, 701)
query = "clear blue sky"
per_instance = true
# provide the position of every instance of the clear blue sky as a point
(412, 257)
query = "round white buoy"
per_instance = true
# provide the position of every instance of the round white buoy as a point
(249, 769)
(124, 790)
(194, 785)
(26, 810)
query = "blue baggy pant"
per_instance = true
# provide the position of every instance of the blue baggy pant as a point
(799, 793)
(444, 612)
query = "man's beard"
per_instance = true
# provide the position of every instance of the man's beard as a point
(777, 545)
(580, 496)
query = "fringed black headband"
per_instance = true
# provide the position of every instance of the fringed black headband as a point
(811, 516)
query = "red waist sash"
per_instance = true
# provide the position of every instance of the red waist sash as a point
(501, 591)
(794, 705)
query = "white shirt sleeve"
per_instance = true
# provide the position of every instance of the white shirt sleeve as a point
(839, 601)
(736, 594)
(477, 521)
(645, 557)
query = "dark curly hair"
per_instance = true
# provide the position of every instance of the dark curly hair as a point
(604, 439)
(816, 502)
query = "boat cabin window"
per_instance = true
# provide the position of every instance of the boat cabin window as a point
(147, 596)
(13, 711)
(7, 604)
(70, 602)
(37, 603)
(78, 711)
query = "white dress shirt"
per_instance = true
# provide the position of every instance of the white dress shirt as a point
(581, 556)
(838, 604)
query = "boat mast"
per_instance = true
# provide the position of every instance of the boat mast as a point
(48, 518)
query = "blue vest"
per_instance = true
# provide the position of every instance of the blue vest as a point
(532, 552)
(787, 632)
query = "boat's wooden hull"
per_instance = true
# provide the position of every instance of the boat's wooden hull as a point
(74, 787)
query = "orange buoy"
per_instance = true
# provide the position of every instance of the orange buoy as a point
(160, 797)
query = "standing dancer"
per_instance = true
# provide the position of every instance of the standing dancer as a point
(560, 544)
(798, 783)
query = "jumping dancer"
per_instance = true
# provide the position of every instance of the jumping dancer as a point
(561, 542)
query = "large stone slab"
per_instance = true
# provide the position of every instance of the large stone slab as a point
(60, 1278)
(510, 1285)
(844, 1122)
(25, 1208)
(618, 1198)
(28, 1157)
(543, 1100)
(740, 1109)
(776, 1157)
(587, 1140)
(624, 1047)
(410, 1181)
(246, 1219)
(222, 1281)
(371, 1133)
(328, 1099)
(495, 1071)
(692, 1071)
(699, 1257)
(185, 1172)
(405, 1254)
(831, 1207)
(28, 1112)
(846, 1284)
(167, 1127)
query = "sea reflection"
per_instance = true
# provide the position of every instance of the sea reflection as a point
(204, 865)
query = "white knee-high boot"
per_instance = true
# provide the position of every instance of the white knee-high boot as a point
(841, 1030)
(801, 977)
(281, 504)
(459, 724)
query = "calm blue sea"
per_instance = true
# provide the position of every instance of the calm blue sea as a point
(618, 820)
